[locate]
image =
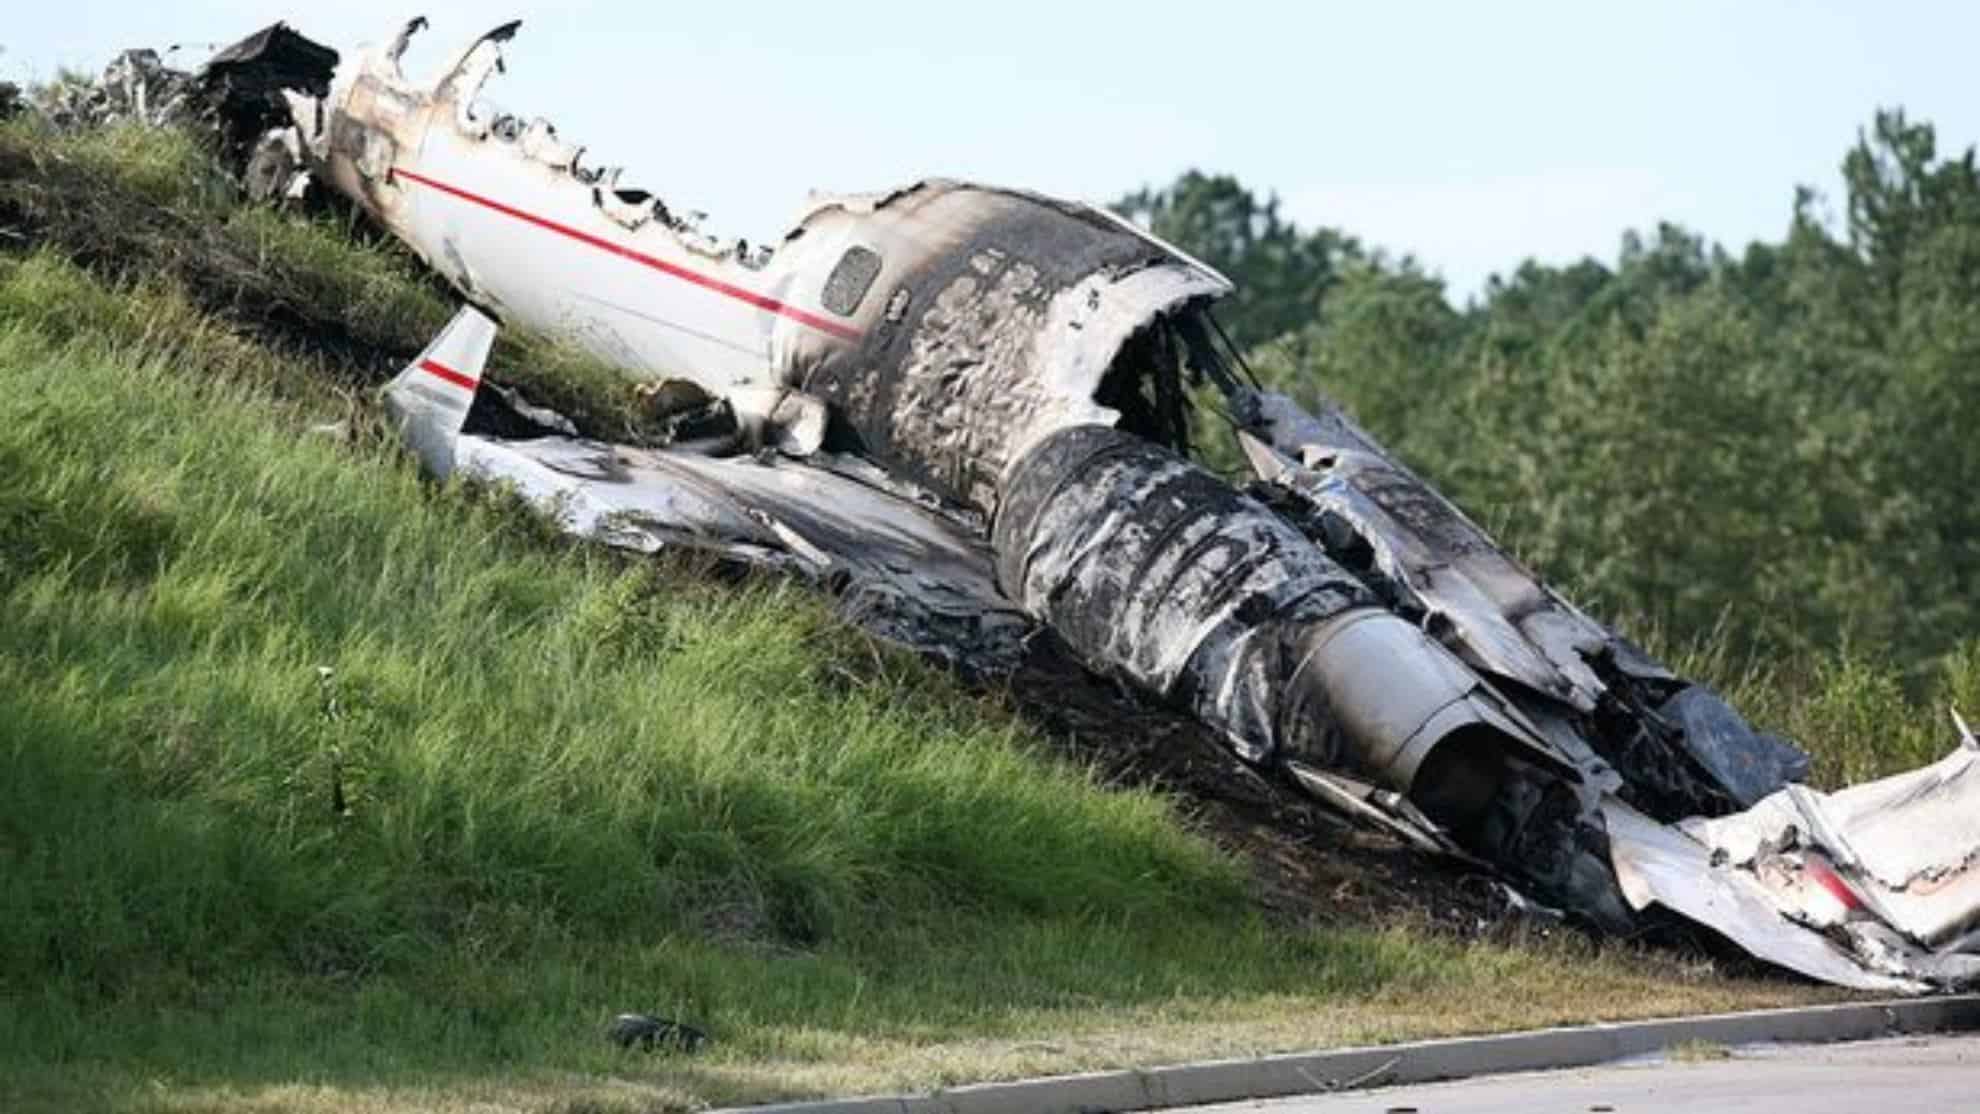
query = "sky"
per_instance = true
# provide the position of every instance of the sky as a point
(1469, 135)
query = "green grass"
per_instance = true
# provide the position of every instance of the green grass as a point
(1857, 712)
(324, 788)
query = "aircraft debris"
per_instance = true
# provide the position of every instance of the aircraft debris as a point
(902, 570)
(135, 87)
(629, 1030)
(966, 409)
(237, 97)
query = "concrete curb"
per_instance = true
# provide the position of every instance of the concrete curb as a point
(1302, 1073)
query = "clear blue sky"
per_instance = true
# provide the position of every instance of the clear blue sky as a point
(1469, 134)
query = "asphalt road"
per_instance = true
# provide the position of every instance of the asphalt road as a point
(1896, 1076)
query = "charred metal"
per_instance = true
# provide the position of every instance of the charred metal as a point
(237, 99)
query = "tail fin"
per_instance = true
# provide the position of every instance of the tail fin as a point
(429, 400)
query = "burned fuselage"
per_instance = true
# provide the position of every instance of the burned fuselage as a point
(967, 408)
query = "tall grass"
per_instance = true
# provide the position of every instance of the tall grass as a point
(1859, 714)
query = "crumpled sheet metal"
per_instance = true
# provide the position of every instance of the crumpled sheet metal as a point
(1907, 845)
(1658, 865)
(1498, 616)
(898, 568)
(1504, 619)
(906, 574)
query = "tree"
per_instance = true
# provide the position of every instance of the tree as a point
(1282, 273)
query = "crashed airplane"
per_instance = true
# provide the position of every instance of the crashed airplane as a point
(966, 411)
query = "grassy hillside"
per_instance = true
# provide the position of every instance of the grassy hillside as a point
(323, 787)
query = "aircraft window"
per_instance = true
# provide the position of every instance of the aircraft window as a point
(849, 280)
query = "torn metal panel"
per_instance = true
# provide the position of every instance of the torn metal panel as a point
(1384, 809)
(1878, 824)
(1679, 748)
(897, 566)
(1906, 846)
(248, 84)
(1659, 865)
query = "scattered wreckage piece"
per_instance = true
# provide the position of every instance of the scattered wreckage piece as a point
(136, 87)
(901, 570)
(1874, 886)
(972, 405)
(237, 98)
(1658, 865)
(649, 1033)
(1892, 866)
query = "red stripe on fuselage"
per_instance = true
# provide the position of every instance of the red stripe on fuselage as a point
(760, 301)
(441, 371)
(1826, 877)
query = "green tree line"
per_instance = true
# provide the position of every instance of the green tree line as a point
(1773, 450)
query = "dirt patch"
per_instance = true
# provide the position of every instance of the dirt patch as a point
(1308, 865)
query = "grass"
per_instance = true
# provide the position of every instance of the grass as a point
(1859, 715)
(321, 788)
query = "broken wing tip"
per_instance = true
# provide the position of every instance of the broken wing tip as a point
(1265, 461)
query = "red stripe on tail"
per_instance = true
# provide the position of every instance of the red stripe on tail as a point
(441, 371)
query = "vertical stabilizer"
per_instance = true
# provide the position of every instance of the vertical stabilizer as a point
(429, 400)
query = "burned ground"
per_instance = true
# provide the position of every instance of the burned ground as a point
(1307, 864)
(85, 208)
(133, 204)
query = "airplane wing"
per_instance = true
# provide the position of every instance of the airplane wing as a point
(901, 567)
